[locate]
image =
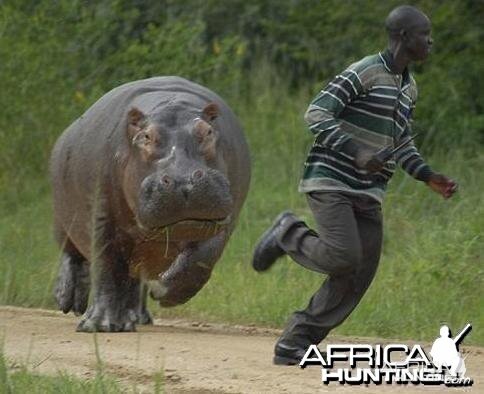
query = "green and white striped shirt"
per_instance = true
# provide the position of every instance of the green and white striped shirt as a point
(371, 105)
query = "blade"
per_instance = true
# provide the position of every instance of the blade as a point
(463, 333)
(403, 144)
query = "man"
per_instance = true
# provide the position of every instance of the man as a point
(444, 352)
(364, 109)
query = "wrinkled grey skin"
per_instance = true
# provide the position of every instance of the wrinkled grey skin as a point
(149, 154)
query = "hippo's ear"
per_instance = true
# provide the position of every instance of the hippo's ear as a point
(136, 121)
(210, 112)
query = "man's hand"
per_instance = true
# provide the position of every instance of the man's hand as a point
(368, 160)
(443, 185)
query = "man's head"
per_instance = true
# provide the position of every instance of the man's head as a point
(409, 28)
(444, 331)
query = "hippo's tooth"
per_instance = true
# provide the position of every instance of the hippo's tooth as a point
(204, 265)
(224, 221)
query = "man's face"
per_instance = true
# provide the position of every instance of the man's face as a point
(419, 41)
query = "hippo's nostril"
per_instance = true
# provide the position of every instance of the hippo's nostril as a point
(197, 174)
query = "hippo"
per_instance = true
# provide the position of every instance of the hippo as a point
(147, 186)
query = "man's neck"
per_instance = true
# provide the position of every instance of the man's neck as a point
(399, 57)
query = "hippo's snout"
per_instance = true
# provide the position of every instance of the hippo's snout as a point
(168, 197)
(167, 182)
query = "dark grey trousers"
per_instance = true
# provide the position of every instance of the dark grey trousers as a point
(346, 247)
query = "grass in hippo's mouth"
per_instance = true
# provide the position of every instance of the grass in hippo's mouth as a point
(204, 227)
(188, 222)
(219, 221)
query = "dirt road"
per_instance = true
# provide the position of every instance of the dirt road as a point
(195, 357)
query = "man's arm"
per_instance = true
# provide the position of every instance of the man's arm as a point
(412, 162)
(323, 112)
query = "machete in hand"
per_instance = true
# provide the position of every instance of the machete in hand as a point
(385, 154)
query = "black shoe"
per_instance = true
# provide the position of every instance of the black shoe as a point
(291, 355)
(268, 250)
(288, 355)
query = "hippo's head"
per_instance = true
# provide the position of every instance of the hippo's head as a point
(175, 170)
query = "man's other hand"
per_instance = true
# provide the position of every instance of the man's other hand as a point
(443, 185)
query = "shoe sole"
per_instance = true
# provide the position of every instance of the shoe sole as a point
(279, 360)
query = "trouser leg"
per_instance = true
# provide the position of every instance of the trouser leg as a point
(335, 249)
(340, 293)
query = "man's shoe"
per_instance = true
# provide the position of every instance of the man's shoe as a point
(288, 355)
(268, 250)
(291, 355)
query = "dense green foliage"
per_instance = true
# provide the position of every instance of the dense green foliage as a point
(267, 58)
(57, 57)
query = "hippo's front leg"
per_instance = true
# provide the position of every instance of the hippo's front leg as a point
(118, 300)
(144, 316)
(190, 271)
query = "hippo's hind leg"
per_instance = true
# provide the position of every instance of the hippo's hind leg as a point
(189, 273)
(73, 282)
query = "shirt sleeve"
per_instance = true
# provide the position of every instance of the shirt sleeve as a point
(409, 158)
(322, 114)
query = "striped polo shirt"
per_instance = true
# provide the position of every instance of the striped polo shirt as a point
(371, 105)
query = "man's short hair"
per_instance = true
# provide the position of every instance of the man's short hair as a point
(402, 17)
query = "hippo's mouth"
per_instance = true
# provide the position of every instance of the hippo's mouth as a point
(198, 222)
(189, 229)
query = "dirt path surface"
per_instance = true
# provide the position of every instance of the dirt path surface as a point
(194, 357)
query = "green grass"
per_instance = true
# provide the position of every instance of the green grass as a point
(22, 381)
(18, 379)
(430, 272)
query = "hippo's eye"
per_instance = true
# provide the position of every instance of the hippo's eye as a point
(202, 131)
(142, 138)
(205, 134)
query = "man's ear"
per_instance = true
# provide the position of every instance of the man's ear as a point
(136, 121)
(210, 112)
(403, 34)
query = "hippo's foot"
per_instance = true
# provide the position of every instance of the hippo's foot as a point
(101, 318)
(73, 283)
(116, 303)
(189, 273)
(180, 283)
